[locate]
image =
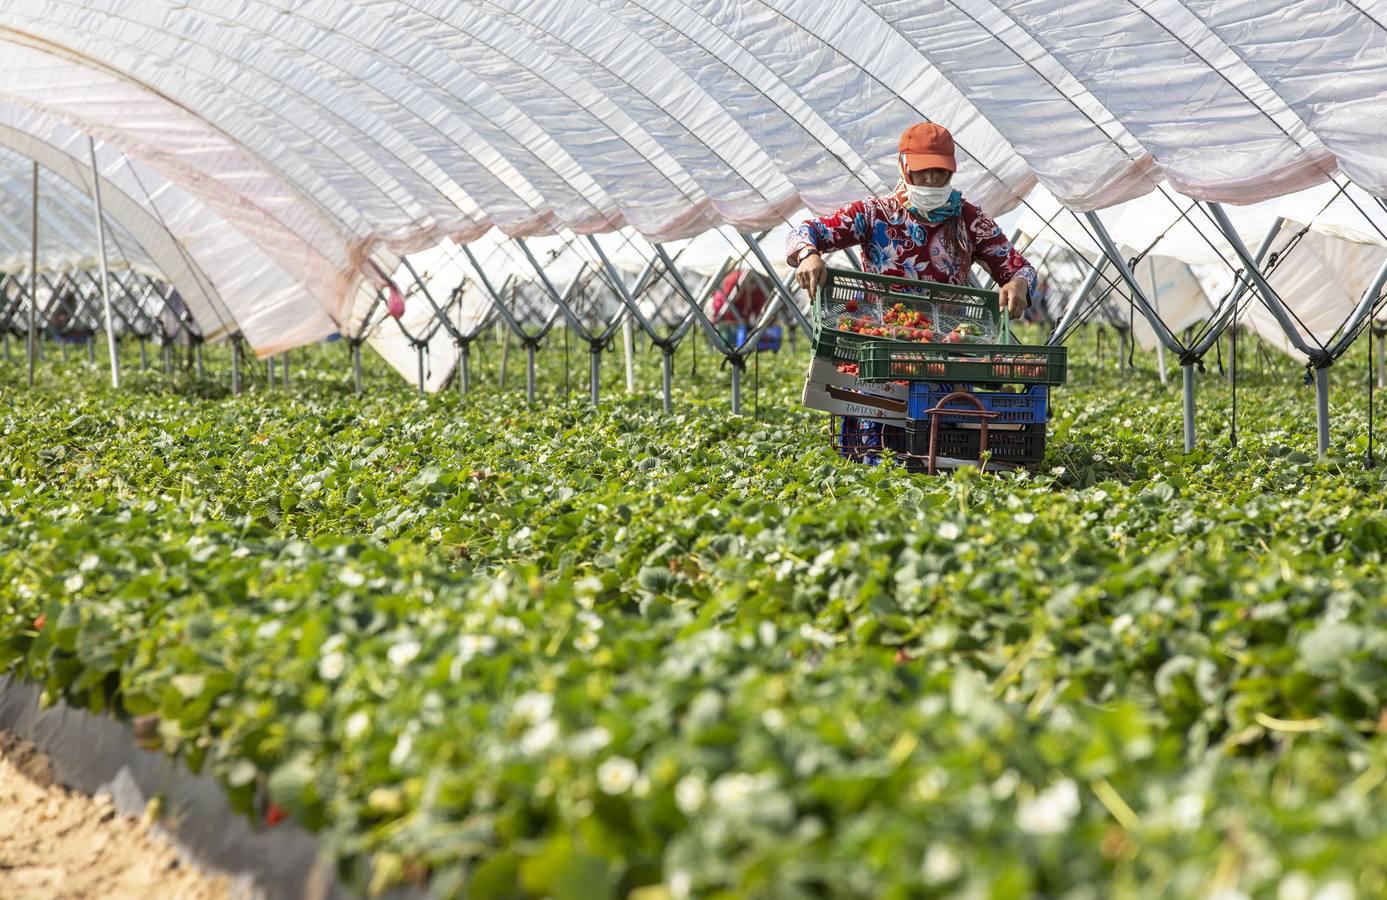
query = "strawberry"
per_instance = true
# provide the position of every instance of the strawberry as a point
(274, 815)
(850, 306)
(40, 621)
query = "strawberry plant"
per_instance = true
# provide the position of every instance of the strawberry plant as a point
(502, 651)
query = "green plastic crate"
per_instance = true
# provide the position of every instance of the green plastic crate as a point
(848, 293)
(967, 363)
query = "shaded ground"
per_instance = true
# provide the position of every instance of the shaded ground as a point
(56, 844)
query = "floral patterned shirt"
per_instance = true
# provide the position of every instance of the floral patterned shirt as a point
(894, 241)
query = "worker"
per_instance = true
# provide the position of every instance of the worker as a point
(924, 229)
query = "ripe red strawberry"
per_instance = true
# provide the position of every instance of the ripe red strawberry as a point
(274, 815)
(850, 306)
(40, 621)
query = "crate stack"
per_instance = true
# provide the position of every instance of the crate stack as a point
(965, 374)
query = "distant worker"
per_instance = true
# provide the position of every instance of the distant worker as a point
(737, 306)
(741, 298)
(924, 229)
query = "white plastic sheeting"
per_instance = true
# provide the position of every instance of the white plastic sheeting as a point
(226, 281)
(67, 239)
(309, 138)
(1320, 282)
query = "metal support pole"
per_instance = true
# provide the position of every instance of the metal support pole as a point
(33, 347)
(505, 360)
(530, 373)
(1232, 354)
(356, 366)
(796, 315)
(91, 350)
(1188, 370)
(1228, 309)
(1322, 408)
(628, 347)
(144, 355)
(7, 346)
(105, 272)
(198, 356)
(1270, 298)
(595, 376)
(736, 390)
(465, 363)
(1076, 303)
(1114, 255)
(419, 352)
(286, 368)
(270, 371)
(1381, 358)
(167, 352)
(1156, 303)
(236, 364)
(667, 373)
(1363, 310)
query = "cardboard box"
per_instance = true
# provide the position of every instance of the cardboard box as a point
(828, 390)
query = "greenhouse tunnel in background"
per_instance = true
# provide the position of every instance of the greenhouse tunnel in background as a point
(276, 164)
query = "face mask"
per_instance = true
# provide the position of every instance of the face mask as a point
(927, 199)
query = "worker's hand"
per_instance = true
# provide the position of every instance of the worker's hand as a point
(1012, 297)
(811, 273)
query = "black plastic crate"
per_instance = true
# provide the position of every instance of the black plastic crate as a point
(1023, 445)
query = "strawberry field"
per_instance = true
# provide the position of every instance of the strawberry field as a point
(499, 651)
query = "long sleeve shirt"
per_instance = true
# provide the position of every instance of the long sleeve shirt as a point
(894, 241)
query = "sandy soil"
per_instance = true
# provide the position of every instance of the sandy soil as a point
(59, 845)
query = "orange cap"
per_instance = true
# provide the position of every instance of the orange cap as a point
(927, 146)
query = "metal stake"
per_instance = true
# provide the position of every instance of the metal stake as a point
(105, 272)
(144, 355)
(419, 352)
(286, 368)
(464, 363)
(236, 364)
(595, 376)
(1381, 358)
(736, 389)
(198, 356)
(356, 366)
(33, 347)
(628, 342)
(530, 373)
(1322, 408)
(1188, 370)
(1156, 303)
(667, 367)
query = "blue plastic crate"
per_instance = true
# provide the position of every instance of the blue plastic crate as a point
(769, 341)
(1031, 407)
